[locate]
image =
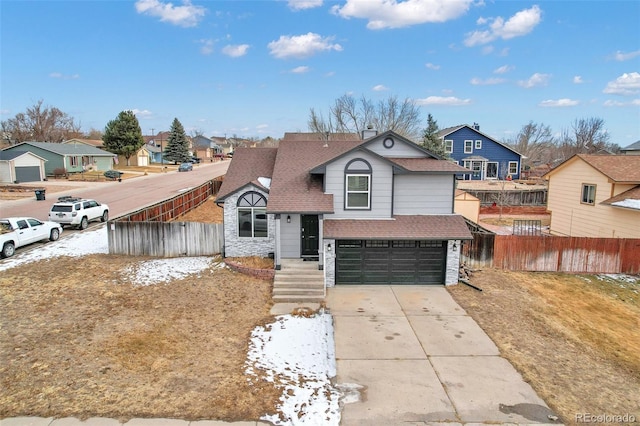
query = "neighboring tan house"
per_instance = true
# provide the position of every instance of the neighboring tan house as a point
(373, 211)
(595, 196)
(140, 159)
(467, 205)
(483, 156)
(21, 166)
(633, 149)
(73, 157)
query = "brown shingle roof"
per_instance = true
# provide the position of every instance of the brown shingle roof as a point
(293, 188)
(247, 165)
(618, 168)
(428, 165)
(427, 227)
(631, 194)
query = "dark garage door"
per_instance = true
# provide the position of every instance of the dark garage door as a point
(390, 262)
(28, 174)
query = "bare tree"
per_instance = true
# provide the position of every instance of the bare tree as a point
(348, 115)
(40, 124)
(535, 142)
(586, 136)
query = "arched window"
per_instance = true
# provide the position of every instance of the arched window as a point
(357, 185)
(252, 215)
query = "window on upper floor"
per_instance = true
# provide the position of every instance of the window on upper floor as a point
(357, 185)
(468, 147)
(448, 146)
(478, 144)
(513, 167)
(252, 215)
(588, 194)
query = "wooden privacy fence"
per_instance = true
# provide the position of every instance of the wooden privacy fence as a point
(165, 239)
(566, 254)
(510, 197)
(148, 232)
(171, 208)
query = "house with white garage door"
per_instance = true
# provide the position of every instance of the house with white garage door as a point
(378, 210)
(21, 166)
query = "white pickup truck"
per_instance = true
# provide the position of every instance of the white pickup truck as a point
(19, 231)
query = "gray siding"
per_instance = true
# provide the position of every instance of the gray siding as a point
(381, 187)
(423, 194)
(400, 149)
(234, 246)
(290, 236)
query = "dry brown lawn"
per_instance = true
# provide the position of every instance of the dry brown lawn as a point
(574, 338)
(78, 338)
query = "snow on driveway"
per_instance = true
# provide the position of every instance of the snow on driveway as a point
(297, 349)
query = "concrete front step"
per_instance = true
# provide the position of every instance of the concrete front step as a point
(298, 281)
(298, 284)
(294, 298)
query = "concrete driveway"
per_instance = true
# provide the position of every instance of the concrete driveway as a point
(412, 355)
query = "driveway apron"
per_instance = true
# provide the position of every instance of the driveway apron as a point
(412, 355)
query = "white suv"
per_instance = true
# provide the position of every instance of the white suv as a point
(78, 212)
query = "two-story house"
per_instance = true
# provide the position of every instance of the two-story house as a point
(482, 156)
(595, 196)
(373, 211)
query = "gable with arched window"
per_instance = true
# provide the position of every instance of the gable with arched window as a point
(357, 185)
(252, 215)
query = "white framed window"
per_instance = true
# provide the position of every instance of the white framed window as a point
(468, 147)
(479, 144)
(513, 167)
(252, 215)
(73, 161)
(588, 194)
(448, 146)
(358, 192)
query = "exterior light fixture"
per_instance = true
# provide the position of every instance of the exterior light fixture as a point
(288, 218)
(455, 246)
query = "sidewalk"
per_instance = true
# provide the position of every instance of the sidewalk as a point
(412, 354)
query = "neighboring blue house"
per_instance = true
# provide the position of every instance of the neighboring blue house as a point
(485, 157)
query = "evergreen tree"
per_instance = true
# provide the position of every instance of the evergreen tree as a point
(177, 149)
(123, 135)
(430, 139)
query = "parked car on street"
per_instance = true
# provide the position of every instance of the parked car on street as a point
(78, 212)
(185, 167)
(19, 231)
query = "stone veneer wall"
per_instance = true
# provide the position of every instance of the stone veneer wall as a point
(235, 246)
(453, 262)
(329, 263)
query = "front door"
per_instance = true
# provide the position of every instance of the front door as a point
(309, 234)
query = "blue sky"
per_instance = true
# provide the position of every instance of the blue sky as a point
(255, 68)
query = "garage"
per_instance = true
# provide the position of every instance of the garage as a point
(390, 262)
(28, 174)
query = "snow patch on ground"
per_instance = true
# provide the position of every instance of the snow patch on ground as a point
(159, 271)
(76, 245)
(300, 352)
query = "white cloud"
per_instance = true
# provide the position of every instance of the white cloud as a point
(300, 70)
(235, 51)
(559, 103)
(432, 66)
(442, 100)
(142, 113)
(578, 79)
(4, 111)
(621, 56)
(301, 46)
(63, 76)
(186, 15)
(486, 82)
(503, 69)
(535, 80)
(379, 88)
(383, 14)
(206, 47)
(518, 25)
(626, 84)
(304, 4)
